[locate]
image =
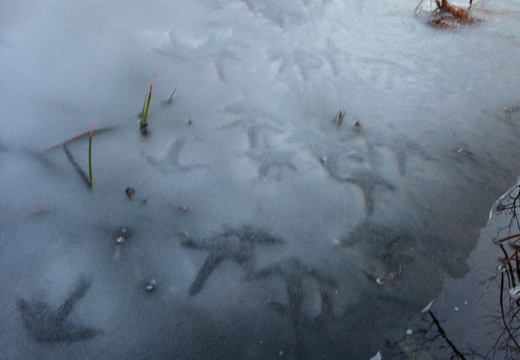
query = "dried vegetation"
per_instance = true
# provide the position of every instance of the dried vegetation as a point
(446, 15)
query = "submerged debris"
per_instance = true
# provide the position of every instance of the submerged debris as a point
(130, 191)
(338, 119)
(383, 280)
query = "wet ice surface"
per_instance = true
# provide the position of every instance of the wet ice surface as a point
(51, 325)
(371, 213)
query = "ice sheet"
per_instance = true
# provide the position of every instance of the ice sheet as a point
(371, 144)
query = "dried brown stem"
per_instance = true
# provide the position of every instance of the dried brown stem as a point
(91, 132)
(457, 12)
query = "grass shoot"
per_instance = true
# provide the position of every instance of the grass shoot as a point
(89, 180)
(171, 98)
(146, 106)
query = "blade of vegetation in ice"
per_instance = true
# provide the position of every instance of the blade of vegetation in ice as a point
(146, 106)
(89, 180)
(87, 134)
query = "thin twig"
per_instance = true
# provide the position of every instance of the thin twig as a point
(502, 311)
(506, 238)
(80, 136)
(443, 334)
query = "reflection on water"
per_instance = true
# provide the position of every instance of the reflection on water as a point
(477, 317)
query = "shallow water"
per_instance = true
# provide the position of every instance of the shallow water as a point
(392, 191)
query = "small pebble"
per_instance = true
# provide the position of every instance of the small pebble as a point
(151, 285)
(130, 191)
(123, 236)
(281, 353)
(409, 332)
(456, 308)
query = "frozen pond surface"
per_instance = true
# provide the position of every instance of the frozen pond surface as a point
(323, 172)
